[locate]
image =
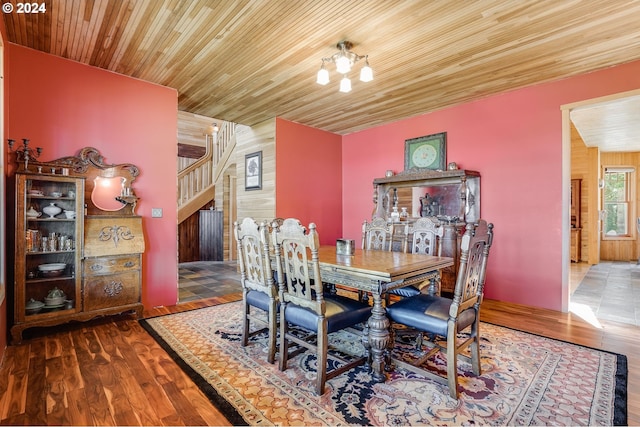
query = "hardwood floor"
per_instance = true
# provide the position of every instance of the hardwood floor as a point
(111, 372)
(104, 372)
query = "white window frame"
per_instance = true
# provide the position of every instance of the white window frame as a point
(631, 201)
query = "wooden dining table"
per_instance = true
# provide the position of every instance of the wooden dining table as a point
(376, 272)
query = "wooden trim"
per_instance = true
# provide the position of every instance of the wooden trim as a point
(191, 151)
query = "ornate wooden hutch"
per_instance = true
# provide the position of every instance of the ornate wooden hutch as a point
(451, 197)
(76, 236)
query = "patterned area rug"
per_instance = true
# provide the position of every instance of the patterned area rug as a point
(526, 380)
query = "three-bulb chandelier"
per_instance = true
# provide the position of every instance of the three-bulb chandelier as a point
(344, 60)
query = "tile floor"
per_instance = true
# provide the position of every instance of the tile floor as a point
(206, 279)
(610, 289)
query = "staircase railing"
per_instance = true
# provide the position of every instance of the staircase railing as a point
(196, 177)
(196, 182)
(225, 144)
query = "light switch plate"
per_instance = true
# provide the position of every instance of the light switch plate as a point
(156, 212)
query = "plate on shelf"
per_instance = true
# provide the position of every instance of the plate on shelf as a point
(52, 266)
(54, 306)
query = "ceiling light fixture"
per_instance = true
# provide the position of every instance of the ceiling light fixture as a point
(344, 60)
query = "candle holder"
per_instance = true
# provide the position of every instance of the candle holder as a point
(24, 153)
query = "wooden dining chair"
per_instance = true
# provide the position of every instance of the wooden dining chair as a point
(421, 237)
(304, 305)
(377, 235)
(449, 317)
(256, 277)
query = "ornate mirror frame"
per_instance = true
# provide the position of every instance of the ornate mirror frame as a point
(89, 163)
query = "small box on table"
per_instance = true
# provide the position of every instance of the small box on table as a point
(345, 246)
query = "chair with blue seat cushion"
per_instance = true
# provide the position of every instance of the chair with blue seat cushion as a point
(422, 237)
(449, 317)
(378, 235)
(256, 276)
(304, 305)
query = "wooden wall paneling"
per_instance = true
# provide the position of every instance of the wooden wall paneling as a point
(192, 129)
(622, 250)
(189, 237)
(585, 165)
(591, 196)
(258, 204)
(580, 170)
(188, 231)
(233, 216)
(191, 152)
(211, 235)
(225, 196)
(236, 202)
(228, 202)
(193, 47)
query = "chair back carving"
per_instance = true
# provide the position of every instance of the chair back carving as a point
(424, 237)
(254, 259)
(376, 235)
(298, 267)
(475, 246)
(276, 222)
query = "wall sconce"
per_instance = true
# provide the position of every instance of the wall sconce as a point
(212, 129)
(344, 60)
(211, 132)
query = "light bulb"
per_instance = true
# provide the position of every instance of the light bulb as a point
(345, 85)
(323, 76)
(366, 73)
(343, 65)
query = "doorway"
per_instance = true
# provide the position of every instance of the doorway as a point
(203, 276)
(599, 122)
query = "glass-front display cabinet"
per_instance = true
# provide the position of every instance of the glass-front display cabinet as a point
(78, 242)
(49, 225)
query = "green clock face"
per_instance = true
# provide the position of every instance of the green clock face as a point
(424, 156)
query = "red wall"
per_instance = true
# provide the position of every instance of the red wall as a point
(3, 255)
(514, 140)
(63, 106)
(309, 177)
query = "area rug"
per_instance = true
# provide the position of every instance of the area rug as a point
(526, 380)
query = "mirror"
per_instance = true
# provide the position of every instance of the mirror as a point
(451, 194)
(108, 187)
(106, 192)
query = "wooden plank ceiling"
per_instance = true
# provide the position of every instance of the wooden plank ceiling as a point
(250, 60)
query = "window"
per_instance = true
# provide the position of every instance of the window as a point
(618, 203)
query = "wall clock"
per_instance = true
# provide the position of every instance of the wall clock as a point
(426, 152)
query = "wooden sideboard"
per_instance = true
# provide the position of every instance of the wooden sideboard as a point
(454, 193)
(453, 198)
(112, 260)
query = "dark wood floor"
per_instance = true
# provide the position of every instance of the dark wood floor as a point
(111, 372)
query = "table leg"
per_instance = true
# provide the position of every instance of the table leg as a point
(378, 337)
